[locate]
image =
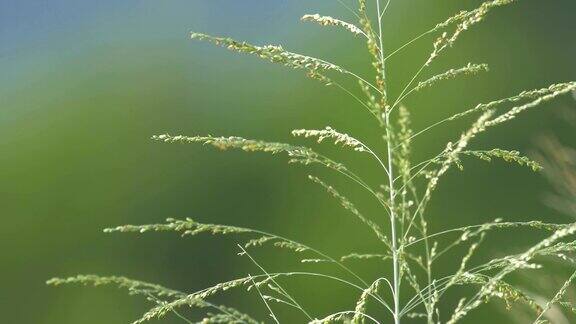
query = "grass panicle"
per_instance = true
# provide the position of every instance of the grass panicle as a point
(329, 132)
(470, 69)
(329, 21)
(508, 156)
(410, 286)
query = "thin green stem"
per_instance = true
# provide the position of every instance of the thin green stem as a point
(408, 43)
(364, 81)
(405, 91)
(356, 98)
(277, 285)
(349, 9)
(390, 173)
(264, 300)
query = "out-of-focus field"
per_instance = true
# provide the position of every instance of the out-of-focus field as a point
(83, 85)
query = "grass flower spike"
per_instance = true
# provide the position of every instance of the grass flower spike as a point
(409, 287)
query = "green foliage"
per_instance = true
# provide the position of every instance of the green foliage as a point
(414, 289)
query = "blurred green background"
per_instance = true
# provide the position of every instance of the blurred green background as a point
(83, 85)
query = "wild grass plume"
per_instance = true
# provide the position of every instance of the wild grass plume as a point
(414, 291)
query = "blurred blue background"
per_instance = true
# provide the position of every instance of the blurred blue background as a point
(83, 85)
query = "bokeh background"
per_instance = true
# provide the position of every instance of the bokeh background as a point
(84, 84)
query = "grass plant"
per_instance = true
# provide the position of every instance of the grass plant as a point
(413, 292)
